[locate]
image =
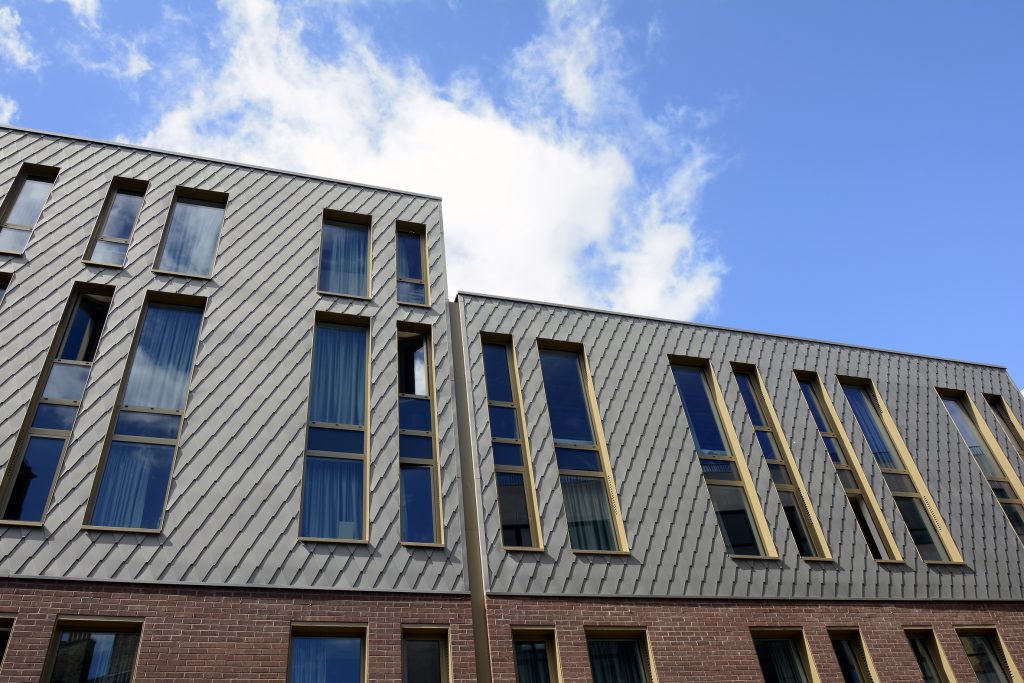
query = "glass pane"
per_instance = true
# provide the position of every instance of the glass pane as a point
(965, 425)
(412, 365)
(332, 498)
(343, 258)
(767, 443)
(31, 487)
(694, 392)
(921, 529)
(721, 470)
(503, 422)
(871, 424)
(807, 388)
(121, 217)
(109, 252)
(1002, 489)
(94, 657)
(192, 237)
(155, 425)
(871, 537)
(734, 520)
(326, 659)
(923, 653)
(834, 452)
(779, 474)
(798, 524)
(567, 403)
(50, 416)
(424, 660)
(83, 333)
(410, 256)
(507, 454)
(417, 504)
(31, 196)
(1015, 513)
(335, 440)
(499, 382)
(134, 486)
(514, 511)
(849, 660)
(338, 392)
(412, 446)
(532, 662)
(982, 652)
(13, 240)
(577, 459)
(588, 513)
(847, 479)
(66, 382)
(616, 661)
(780, 660)
(414, 413)
(411, 292)
(899, 483)
(747, 392)
(163, 358)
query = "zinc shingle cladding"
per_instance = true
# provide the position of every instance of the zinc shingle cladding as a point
(676, 547)
(232, 512)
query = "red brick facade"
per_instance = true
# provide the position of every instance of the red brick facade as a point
(211, 634)
(709, 640)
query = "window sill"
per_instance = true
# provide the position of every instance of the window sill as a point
(819, 560)
(893, 561)
(339, 295)
(409, 303)
(945, 563)
(611, 553)
(411, 544)
(172, 273)
(16, 522)
(120, 529)
(5, 252)
(521, 549)
(770, 558)
(100, 264)
(340, 541)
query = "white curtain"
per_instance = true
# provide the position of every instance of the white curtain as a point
(590, 519)
(326, 660)
(339, 375)
(134, 486)
(333, 502)
(163, 358)
(343, 258)
(616, 661)
(192, 237)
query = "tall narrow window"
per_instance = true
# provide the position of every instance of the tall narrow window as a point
(586, 486)
(722, 472)
(783, 657)
(29, 480)
(120, 212)
(516, 498)
(985, 653)
(930, 658)
(854, 662)
(190, 240)
(334, 478)
(416, 453)
(1005, 484)
(5, 282)
(785, 477)
(345, 256)
(536, 656)
(22, 207)
(619, 659)
(412, 265)
(100, 653)
(851, 476)
(136, 472)
(425, 656)
(1008, 422)
(323, 654)
(913, 501)
(5, 636)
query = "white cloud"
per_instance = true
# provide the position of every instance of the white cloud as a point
(558, 206)
(8, 109)
(124, 60)
(86, 11)
(13, 43)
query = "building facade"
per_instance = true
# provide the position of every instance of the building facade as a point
(246, 435)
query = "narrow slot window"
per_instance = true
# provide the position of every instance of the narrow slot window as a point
(784, 474)
(334, 476)
(1007, 422)
(582, 474)
(516, 497)
(86, 653)
(984, 651)
(619, 659)
(136, 471)
(117, 220)
(5, 282)
(929, 656)
(783, 657)
(324, 654)
(412, 265)
(852, 656)
(911, 500)
(29, 483)
(718, 463)
(858, 493)
(344, 258)
(416, 450)
(5, 636)
(536, 656)
(190, 240)
(425, 656)
(23, 207)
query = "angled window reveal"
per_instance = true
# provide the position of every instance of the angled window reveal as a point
(726, 476)
(335, 471)
(590, 501)
(915, 503)
(536, 655)
(848, 468)
(135, 473)
(1008, 422)
(417, 454)
(425, 655)
(23, 205)
(5, 283)
(345, 255)
(803, 526)
(94, 652)
(411, 244)
(931, 660)
(517, 503)
(193, 230)
(327, 654)
(853, 658)
(784, 657)
(619, 657)
(30, 479)
(989, 659)
(1005, 484)
(109, 244)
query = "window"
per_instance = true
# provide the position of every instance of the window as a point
(516, 492)
(5, 283)
(345, 255)
(416, 454)
(851, 476)
(5, 636)
(29, 481)
(725, 476)
(930, 658)
(854, 662)
(988, 659)
(23, 205)
(327, 654)
(783, 657)
(89, 653)
(1008, 422)
(114, 231)
(136, 471)
(334, 478)
(190, 240)
(619, 659)
(900, 474)
(583, 471)
(981, 443)
(412, 264)
(802, 526)
(425, 656)
(536, 656)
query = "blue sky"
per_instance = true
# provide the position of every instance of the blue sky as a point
(846, 171)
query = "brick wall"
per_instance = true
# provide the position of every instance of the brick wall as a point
(702, 640)
(200, 634)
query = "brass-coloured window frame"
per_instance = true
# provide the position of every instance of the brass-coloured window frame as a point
(1002, 653)
(862, 653)
(933, 648)
(27, 171)
(420, 231)
(117, 185)
(103, 624)
(1008, 421)
(639, 634)
(545, 634)
(428, 632)
(799, 638)
(326, 629)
